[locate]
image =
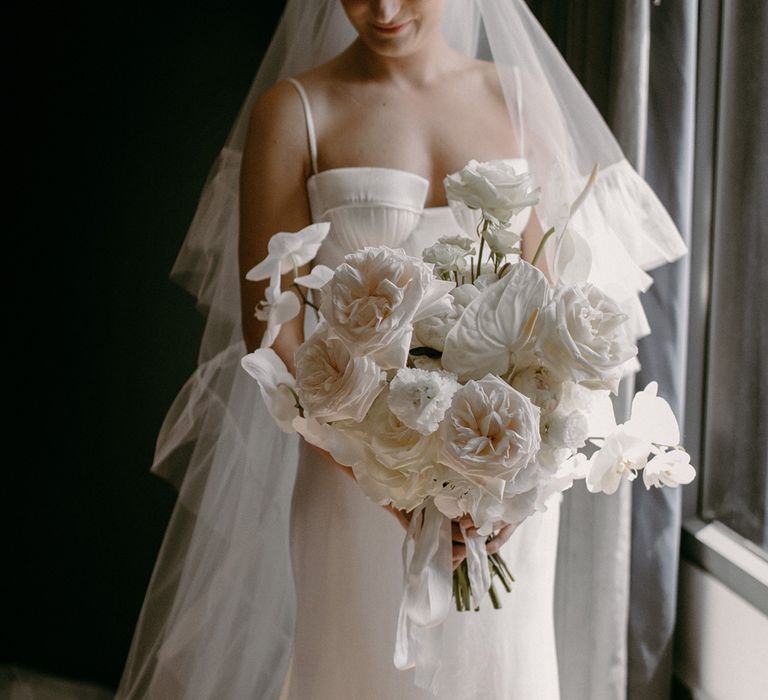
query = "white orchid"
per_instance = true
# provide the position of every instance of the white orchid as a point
(288, 251)
(651, 428)
(316, 279)
(277, 386)
(279, 308)
(670, 468)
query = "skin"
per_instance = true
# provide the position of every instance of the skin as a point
(397, 97)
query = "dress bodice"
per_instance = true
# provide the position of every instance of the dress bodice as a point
(383, 206)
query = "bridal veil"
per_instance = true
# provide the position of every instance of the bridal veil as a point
(218, 615)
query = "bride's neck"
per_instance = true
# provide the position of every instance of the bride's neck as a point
(414, 70)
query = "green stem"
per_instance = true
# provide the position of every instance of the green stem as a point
(304, 299)
(544, 239)
(480, 254)
(494, 597)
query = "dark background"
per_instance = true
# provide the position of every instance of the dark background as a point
(118, 113)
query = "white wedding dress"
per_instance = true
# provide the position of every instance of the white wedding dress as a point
(346, 550)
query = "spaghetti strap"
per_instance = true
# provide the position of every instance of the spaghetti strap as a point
(520, 128)
(310, 123)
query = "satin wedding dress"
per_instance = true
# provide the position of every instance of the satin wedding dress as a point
(346, 550)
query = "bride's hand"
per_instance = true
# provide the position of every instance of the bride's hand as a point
(459, 548)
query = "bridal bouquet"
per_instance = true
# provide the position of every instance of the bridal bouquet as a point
(460, 382)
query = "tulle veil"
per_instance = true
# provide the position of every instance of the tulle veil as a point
(218, 614)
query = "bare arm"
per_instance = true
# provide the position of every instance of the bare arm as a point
(272, 199)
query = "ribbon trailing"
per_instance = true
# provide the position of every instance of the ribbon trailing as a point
(427, 591)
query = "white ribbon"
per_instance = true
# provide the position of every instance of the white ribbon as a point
(477, 564)
(428, 587)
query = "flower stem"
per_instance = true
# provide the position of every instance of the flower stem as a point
(541, 245)
(480, 254)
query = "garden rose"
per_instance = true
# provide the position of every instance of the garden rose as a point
(490, 433)
(331, 383)
(583, 335)
(371, 300)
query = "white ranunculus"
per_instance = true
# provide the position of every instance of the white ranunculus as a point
(279, 308)
(494, 186)
(331, 383)
(372, 299)
(538, 384)
(490, 433)
(420, 398)
(276, 384)
(286, 251)
(583, 334)
(497, 324)
(670, 468)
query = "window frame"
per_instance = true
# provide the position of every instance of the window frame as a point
(731, 558)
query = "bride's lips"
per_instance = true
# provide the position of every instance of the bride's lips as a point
(390, 29)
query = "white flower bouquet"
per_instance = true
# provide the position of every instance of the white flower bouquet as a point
(461, 382)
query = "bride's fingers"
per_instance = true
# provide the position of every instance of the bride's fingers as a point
(501, 537)
(459, 551)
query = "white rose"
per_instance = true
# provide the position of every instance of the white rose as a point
(490, 433)
(332, 384)
(583, 333)
(420, 398)
(463, 242)
(446, 257)
(372, 299)
(495, 187)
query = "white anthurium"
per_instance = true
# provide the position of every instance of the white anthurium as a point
(277, 386)
(496, 324)
(279, 308)
(670, 468)
(573, 261)
(286, 251)
(317, 279)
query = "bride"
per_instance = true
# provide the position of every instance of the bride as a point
(277, 577)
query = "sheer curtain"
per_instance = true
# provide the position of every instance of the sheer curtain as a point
(647, 97)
